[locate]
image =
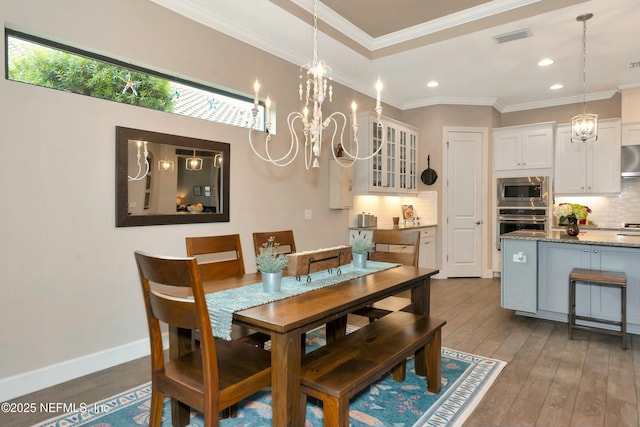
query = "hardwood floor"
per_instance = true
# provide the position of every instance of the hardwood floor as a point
(548, 381)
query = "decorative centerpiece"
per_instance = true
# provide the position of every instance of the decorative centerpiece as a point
(569, 214)
(270, 264)
(360, 248)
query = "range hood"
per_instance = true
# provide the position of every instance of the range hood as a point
(630, 160)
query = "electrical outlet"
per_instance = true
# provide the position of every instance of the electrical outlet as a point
(307, 214)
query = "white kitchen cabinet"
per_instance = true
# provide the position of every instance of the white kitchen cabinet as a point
(556, 260)
(340, 186)
(523, 147)
(427, 254)
(591, 167)
(631, 134)
(519, 275)
(394, 169)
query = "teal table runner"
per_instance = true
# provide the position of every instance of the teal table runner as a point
(223, 304)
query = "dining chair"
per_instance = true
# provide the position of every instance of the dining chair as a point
(220, 257)
(211, 377)
(284, 239)
(394, 246)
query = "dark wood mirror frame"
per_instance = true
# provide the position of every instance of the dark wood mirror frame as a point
(124, 219)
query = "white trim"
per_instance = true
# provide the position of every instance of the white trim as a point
(38, 379)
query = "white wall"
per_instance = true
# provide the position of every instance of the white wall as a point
(70, 294)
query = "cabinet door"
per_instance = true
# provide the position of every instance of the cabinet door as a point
(603, 159)
(519, 275)
(390, 166)
(631, 134)
(407, 160)
(340, 186)
(537, 147)
(605, 302)
(555, 262)
(570, 163)
(506, 149)
(427, 254)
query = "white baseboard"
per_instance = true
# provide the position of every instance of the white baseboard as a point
(28, 382)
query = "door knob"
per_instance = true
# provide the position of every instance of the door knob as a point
(478, 222)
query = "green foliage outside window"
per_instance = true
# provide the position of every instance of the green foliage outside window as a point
(73, 73)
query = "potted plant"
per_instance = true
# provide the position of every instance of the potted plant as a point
(360, 248)
(270, 264)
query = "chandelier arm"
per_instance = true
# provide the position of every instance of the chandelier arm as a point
(281, 161)
(139, 177)
(342, 163)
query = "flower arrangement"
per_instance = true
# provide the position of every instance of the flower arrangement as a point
(566, 210)
(360, 245)
(269, 260)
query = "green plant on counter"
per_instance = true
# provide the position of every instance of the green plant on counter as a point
(360, 245)
(269, 260)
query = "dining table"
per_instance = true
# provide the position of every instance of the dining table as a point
(287, 320)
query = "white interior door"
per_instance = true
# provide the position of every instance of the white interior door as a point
(464, 203)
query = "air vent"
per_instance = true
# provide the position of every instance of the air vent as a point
(514, 35)
(633, 65)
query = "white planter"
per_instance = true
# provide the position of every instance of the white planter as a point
(359, 260)
(271, 282)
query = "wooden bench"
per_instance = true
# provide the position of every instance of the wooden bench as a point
(336, 372)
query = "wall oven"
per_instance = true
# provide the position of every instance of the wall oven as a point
(522, 205)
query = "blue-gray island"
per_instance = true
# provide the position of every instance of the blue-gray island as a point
(536, 267)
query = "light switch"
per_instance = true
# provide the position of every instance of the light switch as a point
(307, 214)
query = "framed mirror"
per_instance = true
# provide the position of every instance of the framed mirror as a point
(168, 179)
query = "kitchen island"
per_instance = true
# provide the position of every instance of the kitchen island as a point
(536, 267)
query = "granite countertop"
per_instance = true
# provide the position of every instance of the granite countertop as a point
(604, 237)
(395, 227)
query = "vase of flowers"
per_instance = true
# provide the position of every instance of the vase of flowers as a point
(570, 214)
(360, 248)
(270, 264)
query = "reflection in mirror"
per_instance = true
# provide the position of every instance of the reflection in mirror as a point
(167, 179)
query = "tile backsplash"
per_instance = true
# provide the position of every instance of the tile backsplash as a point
(612, 211)
(425, 205)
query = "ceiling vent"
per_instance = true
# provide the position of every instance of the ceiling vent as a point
(514, 35)
(633, 65)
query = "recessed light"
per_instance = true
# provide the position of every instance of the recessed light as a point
(433, 83)
(556, 86)
(545, 62)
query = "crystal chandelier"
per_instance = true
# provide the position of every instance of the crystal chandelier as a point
(584, 127)
(309, 124)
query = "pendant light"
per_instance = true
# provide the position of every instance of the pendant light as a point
(584, 127)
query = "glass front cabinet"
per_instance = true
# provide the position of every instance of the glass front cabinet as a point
(394, 168)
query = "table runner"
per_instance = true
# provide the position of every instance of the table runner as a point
(224, 303)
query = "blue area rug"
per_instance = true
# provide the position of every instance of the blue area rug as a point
(465, 379)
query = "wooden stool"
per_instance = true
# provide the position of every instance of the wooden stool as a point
(613, 279)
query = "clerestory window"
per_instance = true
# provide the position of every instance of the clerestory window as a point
(45, 63)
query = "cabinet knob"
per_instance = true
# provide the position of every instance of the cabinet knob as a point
(595, 251)
(585, 250)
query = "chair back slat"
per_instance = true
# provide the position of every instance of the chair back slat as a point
(407, 255)
(181, 314)
(219, 257)
(284, 239)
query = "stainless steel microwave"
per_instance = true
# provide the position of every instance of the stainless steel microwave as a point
(530, 191)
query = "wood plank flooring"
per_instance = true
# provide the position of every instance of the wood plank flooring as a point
(548, 380)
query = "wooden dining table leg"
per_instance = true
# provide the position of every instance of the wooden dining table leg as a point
(180, 342)
(286, 357)
(336, 329)
(420, 299)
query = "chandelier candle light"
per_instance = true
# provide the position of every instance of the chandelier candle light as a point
(584, 126)
(313, 90)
